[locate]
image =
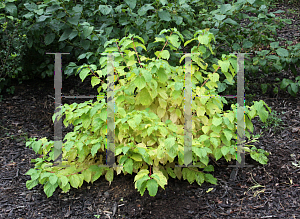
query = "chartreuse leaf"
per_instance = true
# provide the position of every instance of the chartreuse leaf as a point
(31, 183)
(84, 73)
(209, 178)
(228, 134)
(160, 178)
(140, 82)
(49, 189)
(96, 175)
(204, 160)
(95, 148)
(64, 181)
(217, 153)
(259, 157)
(145, 97)
(152, 187)
(200, 152)
(128, 166)
(261, 111)
(53, 179)
(203, 138)
(140, 174)
(163, 54)
(81, 178)
(66, 188)
(210, 189)
(36, 146)
(141, 180)
(141, 39)
(225, 150)
(252, 113)
(217, 121)
(249, 124)
(95, 81)
(170, 141)
(174, 39)
(141, 184)
(136, 157)
(162, 103)
(74, 180)
(87, 174)
(203, 39)
(224, 65)
(147, 75)
(214, 77)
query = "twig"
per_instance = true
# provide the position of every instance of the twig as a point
(136, 52)
(164, 46)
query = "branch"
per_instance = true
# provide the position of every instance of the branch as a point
(136, 53)
(164, 46)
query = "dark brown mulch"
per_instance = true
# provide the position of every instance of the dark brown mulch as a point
(29, 112)
(269, 191)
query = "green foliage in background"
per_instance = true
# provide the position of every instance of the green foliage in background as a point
(12, 43)
(83, 27)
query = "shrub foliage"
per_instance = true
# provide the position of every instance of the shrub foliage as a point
(149, 120)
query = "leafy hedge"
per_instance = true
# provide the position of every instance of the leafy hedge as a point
(83, 27)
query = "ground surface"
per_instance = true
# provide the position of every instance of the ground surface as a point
(269, 191)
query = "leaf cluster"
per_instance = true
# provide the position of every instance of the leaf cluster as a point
(149, 126)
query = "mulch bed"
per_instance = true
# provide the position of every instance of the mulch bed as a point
(263, 191)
